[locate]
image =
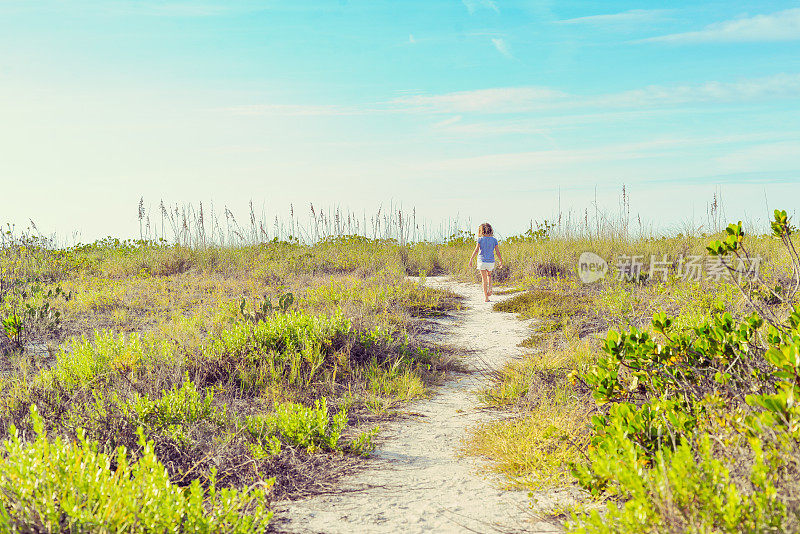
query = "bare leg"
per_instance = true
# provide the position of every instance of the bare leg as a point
(485, 279)
(489, 275)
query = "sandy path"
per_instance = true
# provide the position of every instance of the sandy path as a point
(415, 480)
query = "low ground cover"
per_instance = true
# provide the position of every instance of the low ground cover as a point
(671, 399)
(247, 367)
(265, 366)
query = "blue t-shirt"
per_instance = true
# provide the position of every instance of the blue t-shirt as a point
(487, 244)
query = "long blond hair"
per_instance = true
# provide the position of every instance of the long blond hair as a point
(485, 229)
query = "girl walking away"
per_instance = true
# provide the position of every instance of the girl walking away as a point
(485, 249)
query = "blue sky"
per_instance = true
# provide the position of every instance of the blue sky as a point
(488, 110)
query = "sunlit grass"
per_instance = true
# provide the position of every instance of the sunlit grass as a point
(142, 315)
(534, 450)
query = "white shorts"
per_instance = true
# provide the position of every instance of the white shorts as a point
(485, 265)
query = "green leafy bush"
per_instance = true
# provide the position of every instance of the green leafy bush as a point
(364, 444)
(780, 409)
(180, 405)
(309, 428)
(297, 349)
(85, 361)
(62, 486)
(636, 365)
(288, 348)
(27, 313)
(687, 490)
(630, 435)
(543, 232)
(659, 392)
(170, 416)
(262, 310)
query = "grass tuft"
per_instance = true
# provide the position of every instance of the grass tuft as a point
(542, 304)
(546, 427)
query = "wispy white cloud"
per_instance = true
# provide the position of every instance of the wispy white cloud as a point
(463, 128)
(294, 110)
(171, 9)
(538, 110)
(780, 26)
(506, 100)
(476, 5)
(502, 46)
(778, 86)
(539, 160)
(411, 39)
(775, 156)
(560, 158)
(448, 122)
(626, 17)
(497, 100)
(159, 8)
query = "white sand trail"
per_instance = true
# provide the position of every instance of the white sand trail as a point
(416, 481)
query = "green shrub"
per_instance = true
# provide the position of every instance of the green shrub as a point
(364, 444)
(636, 365)
(184, 404)
(301, 426)
(287, 348)
(660, 391)
(299, 350)
(632, 436)
(674, 384)
(62, 486)
(310, 428)
(27, 313)
(86, 361)
(113, 418)
(687, 490)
